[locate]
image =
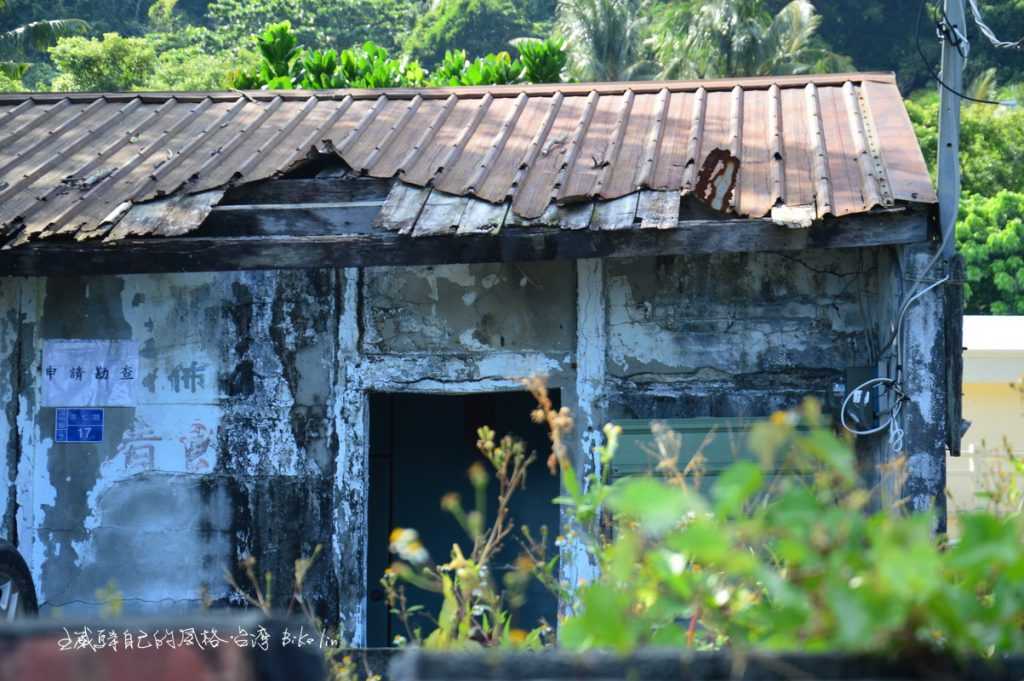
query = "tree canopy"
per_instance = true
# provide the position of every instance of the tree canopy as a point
(476, 26)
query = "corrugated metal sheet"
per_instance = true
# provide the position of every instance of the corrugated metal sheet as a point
(74, 164)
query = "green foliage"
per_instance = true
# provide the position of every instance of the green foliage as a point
(102, 16)
(279, 49)
(476, 26)
(604, 38)
(992, 163)
(278, 66)
(369, 66)
(794, 562)
(39, 35)
(11, 82)
(491, 69)
(191, 69)
(721, 38)
(111, 63)
(990, 234)
(284, 64)
(343, 23)
(17, 43)
(991, 143)
(320, 70)
(543, 60)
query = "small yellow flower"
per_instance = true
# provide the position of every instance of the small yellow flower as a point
(450, 501)
(406, 544)
(399, 534)
(612, 431)
(478, 474)
(517, 635)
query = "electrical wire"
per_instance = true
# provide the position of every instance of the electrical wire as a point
(988, 33)
(894, 383)
(957, 41)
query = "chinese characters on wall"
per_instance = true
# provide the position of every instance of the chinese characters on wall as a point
(90, 373)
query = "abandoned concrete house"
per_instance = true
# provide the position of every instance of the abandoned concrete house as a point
(240, 324)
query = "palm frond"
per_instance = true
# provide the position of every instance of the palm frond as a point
(40, 34)
(984, 85)
(15, 70)
(603, 38)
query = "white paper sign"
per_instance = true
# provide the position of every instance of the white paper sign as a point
(90, 373)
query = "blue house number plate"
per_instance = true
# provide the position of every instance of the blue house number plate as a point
(78, 425)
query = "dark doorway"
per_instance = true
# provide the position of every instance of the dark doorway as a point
(420, 448)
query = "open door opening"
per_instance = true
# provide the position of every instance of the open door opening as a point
(420, 449)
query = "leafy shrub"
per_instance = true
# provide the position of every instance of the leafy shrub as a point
(11, 82)
(786, 562)
(797, 562)
(544, 60)
(343, 23)
(991, 143)
(990, 233)
(492, 69)
(191, 69)
(112, 63)
(370, 66)
(284, 64)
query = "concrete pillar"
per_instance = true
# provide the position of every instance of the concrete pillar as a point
(576, 564)
(924, 365)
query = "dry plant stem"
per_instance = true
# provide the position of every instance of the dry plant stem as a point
(691, 630)
(500, 530)
(558, 422)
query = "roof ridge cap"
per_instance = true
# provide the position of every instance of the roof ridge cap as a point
(543, 89)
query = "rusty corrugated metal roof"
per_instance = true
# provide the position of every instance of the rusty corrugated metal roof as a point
(74, 164)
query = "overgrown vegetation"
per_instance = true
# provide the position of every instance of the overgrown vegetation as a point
(285, 64)
(990, 233)
(796, 560)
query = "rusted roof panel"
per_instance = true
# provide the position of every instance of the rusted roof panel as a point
(74, 164)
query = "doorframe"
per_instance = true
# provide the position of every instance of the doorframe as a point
(579, 376)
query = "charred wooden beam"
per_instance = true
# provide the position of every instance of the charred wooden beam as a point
(283, 191)
(245, 239)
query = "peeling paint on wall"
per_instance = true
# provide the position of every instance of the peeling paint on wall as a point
(10, 321)
(471, 308)
(251, 432)
(738, 335)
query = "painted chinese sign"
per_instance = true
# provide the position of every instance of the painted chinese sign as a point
(90, 373)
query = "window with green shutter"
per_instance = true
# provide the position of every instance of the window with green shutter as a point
(721, 440)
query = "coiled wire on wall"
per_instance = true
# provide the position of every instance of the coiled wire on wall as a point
(894, 383)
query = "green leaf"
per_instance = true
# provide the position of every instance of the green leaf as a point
(655, 505)
(736, 486)
(702, 541)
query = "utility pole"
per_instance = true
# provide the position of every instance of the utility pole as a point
(949, 125)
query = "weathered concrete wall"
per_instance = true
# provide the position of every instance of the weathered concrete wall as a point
(251, 432)
(227, 450)
(735, 334)
(471, 308)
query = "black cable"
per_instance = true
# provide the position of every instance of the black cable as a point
(931, 69)
(944, 29)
